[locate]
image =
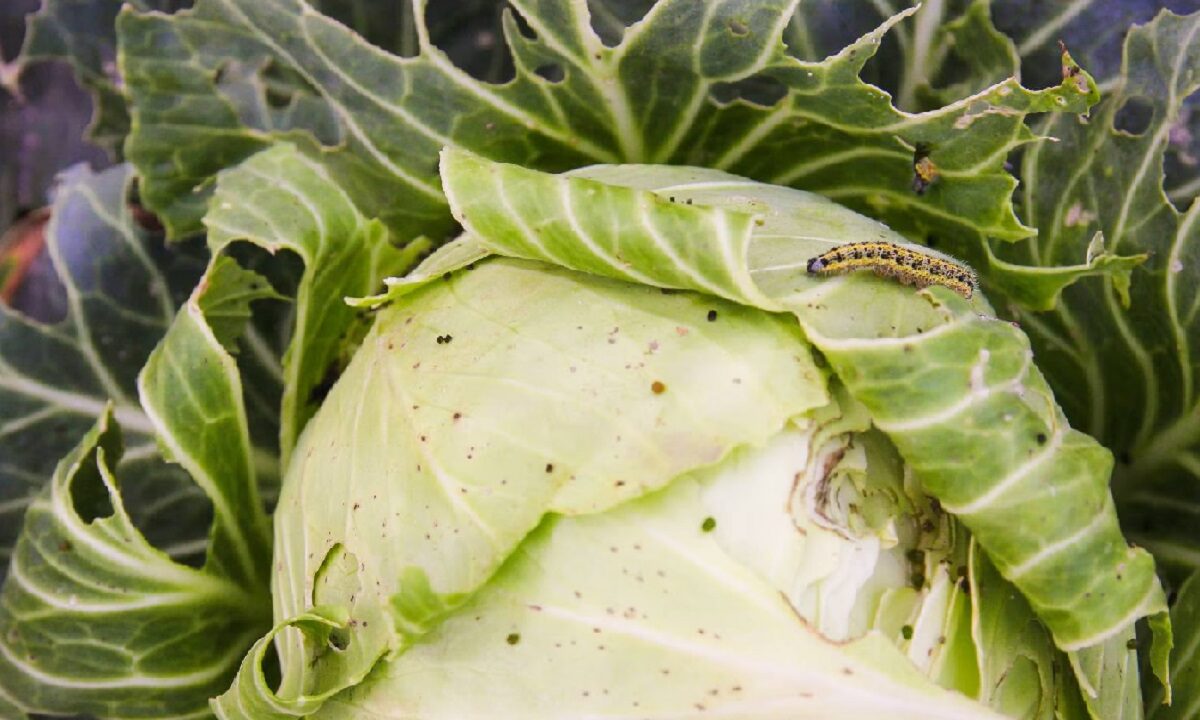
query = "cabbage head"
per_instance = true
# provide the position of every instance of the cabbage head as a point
(614, 453)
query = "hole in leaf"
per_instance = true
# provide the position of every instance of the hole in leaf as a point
(610, 18)
(551, 72)
(1134, 116)
(168, 508)
(1182, 159)
(89, 496)
(471, 34)
(339, 639)
(272, 672)
(523, 26)
(761, 90)
(386, 25)
(281, 84)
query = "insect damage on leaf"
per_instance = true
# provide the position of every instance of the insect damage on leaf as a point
(890, 260)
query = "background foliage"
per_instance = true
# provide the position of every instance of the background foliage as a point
(100, 287)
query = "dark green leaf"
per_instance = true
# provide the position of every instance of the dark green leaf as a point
(949, 51)
(119, 286)
(1127, 375)
(1038, 288)
(226, 305)
(694, 83)
(93, 619)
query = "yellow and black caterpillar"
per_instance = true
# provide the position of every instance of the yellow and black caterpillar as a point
(910, 267)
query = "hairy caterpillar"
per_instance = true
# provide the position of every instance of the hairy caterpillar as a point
(910, 267)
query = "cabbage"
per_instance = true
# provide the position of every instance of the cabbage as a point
(500, 387)
(615, 450)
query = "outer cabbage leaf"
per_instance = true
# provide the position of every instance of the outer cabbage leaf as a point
(949, 51)
(116, 288)
(1095, 31)
(282, 199)
(1015, 655)
(1125, 373)
(208, 107)
(616, 390)
(1185, 670)
(954, 389)
(93, 618)
(83, 33)
(96, 620)
(638, 612)
(192, 400)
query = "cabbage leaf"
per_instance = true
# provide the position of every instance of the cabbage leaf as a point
(215, 84)
(943, 380)
(115, 292)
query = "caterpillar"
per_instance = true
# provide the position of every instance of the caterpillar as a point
(910, 267)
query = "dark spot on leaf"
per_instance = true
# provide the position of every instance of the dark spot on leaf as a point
(738, 28)
(549, 467)
(657, 387)
(513, 638)
(712, 315)
(709, 524)
(906, 632)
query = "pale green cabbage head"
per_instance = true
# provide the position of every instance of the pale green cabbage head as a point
(613, 453)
